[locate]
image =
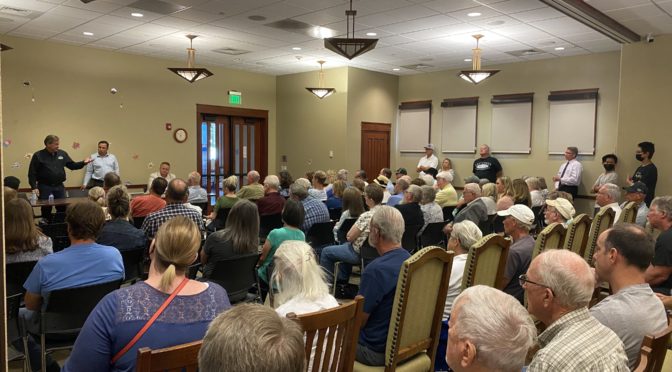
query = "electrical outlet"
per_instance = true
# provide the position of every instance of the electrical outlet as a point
(331, 154)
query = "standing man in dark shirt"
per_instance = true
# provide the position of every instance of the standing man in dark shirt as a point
(647, 172)
(486, 166)
(46, 173)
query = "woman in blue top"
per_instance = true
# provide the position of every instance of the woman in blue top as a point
(121, 314)
(292, 218)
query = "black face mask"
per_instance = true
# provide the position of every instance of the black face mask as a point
(609, 167)
(639, 157)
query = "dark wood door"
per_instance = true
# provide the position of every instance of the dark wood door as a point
(375, 148)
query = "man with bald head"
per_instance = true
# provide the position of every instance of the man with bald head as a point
(176, 197)
(559, 285)
(253, 190)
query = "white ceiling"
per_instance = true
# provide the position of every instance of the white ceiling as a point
(436, 33)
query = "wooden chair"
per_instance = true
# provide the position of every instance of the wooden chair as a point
(576, 238)
(653, 352)
(551, 237)
(175, 358)
(628, 213)
(331, 336)
(416, 312)
(486, 262)
(603, 220)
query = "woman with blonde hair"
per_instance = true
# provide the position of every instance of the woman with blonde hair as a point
(105, 343)
(118, 232)
(504, 186)
(226, 201)
(24, 241)
(521, 192)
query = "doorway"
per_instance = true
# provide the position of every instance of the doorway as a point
(375, 148)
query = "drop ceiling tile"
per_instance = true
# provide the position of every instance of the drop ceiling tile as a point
(99, 6)
(514, 6)
(635, 12)
(174, 22)
(588, 36)
(198, 15)
(495, 22)
(607, 5)
(375, 6)
(485, 13)
(537, 15)
(71, 12)
(420, 24)
(275, 12)
(229, 8)
(34, 5)
(394, 40)
(459, 28)
(116, 42)
(600, 45)
(152, 30)
(51, 23)
(317, 18)
(33, 33)
(444, 6)
(120, 22)
(260, 29)
(562, 26)
(395, 16)
(125, 12)
(656, 25)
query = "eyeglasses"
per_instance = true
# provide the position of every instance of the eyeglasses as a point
(523, 279)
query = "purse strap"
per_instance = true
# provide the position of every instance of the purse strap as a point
(149, 323)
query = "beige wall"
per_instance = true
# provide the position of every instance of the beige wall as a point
(73, 100)
(645, 107)
(594, 71)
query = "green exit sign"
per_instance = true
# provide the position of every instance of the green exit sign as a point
(235, 98)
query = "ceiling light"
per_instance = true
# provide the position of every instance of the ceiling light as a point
(350, 47)
(87, 33)
(190, 73)
(321, 91)
(476, 75)
(396, 69)
(296, 48)
(560, 48)
(371, 34)
(138, 15)
(473, 14)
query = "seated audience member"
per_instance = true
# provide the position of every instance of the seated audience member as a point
(361, 175)
(110, 180)
(410, 207)
(292, 218)
(24, 241)
(636, 193)
(608, 197)
(379, 284)
(387, 173)
(272, 202)
(559, 285)
(428, 179)
(465, 234)
(10, 194)
(400, 172)
(318, 183)
(348, 253)
(341, 175)
(252, 337)
(473, 208)
(518, 221)
(488, 196)
(11, 182)
(659, 273)
(419, 182)
(239, 237)
(285, 181)
(303, 182)
(143, 205)
(609, 175)
(431, 211)
(164, 172)
(335, 201)
(97, 195)
(447, 166)
(314, 210)
(559, 210)
(543, 187)
(537, 197)
(504, 203)
(446, 195)
(308, 176)
(488, 331)
(352, 207)
(521, 193)
(197, 194)
(299, 280)
(359, 184)
(399, 189)
(176, 196)
(633, 311)
(253, 190)
(229, 198)
(120, 315)
(382, 181)
(83, 263)
(118, 232)
(504, 186)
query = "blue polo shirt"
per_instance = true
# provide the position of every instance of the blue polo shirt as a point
(378, 286)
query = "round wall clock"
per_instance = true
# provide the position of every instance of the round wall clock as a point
(180, 135)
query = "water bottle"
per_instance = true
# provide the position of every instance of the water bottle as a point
(33, 198)
(51, 198)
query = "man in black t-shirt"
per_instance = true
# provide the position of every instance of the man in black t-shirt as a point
(486, 166)
(659, 273)
(646, 173)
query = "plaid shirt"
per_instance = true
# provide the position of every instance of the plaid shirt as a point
(156, 219)
(578, 342)
(316, 212)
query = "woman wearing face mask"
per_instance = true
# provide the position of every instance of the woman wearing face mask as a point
(609, 162)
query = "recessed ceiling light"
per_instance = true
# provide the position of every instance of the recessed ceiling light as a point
(467, 60)
(371, 34)
(473, 14)
(86, 33)
(396, 69)
(296, 48)
(560, 48)
(138, 15)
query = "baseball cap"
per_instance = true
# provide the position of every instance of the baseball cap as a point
(563, 206)
(402, 171)
(638, 187)
(521, 212)
(429, 146)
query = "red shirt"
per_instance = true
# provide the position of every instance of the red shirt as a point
(272, 203)
(143, 205)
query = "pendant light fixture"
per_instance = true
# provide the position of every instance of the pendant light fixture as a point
(190, 73)
(476, 75)
(321, 91)
(350, 47)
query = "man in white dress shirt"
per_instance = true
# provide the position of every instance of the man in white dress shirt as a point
(568, 178)
(164, 172)
(429, 161)
(101, 164)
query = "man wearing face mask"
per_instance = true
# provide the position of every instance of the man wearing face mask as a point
(647, 171)
(609, 162)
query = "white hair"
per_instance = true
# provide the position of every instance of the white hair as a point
(303, 182)
(254, 175)
(497, 324)
(428, 194)
(342, 175)
(613, 191)
(445, 175)
(467, 233)
(272, 181)
(473, 187)
(568, 275)
(664, 205)
(416, 193)
(429, 180)
(297, 273)
(389, 222)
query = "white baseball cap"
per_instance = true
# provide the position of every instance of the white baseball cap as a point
(521, 212)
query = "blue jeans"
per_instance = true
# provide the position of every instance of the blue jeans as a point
(343, 253)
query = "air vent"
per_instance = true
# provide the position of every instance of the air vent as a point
(525, 52)
(231, 51)
(158, 6)
(32, 14)
(419, 66)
